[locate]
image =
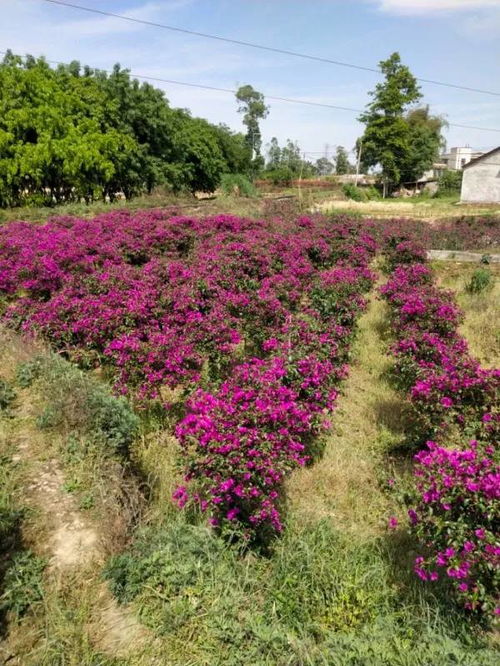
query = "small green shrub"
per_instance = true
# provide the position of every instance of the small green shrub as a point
(26, 373)
(237, 183)
(481, 279)
(22, 583)
(356, 193)
(280, 176)
(353, 192)
(79, 403)
(7, 394)
(449, 183)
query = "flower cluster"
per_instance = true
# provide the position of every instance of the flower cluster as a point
(456, 512)
(253, 319)
(241, 441)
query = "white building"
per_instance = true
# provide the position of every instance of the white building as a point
(481, 180)
(457, 158)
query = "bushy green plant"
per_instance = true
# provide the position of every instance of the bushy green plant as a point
(449, 183)
(237, 183)
(7, 394)
(27, 372)
(353, 192)
(22, 583)
(480, 280)
(282, 175)
(78, 402)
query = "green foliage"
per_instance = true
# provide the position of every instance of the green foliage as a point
(323, 167)
(72, 134)
(480, 280)
(282, 175)
(7, 394)
(27, 372)
(252, 106)
(285, 164)
(342, 164)
(237, 183)
(449, 183)
(355, 193)
(22, 584)
(404, 142)
(321, 597)
(78, 403)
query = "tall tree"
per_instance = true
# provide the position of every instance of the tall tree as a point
(425, 143)
(342, 164)
(273, 154)
(323, 166)
(388, 136)
(253, 107)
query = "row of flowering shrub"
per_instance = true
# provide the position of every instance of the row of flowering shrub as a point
(456, 512)
(241, 441)
(257, 316)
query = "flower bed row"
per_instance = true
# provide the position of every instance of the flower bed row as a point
(241, 441)
(456, 512)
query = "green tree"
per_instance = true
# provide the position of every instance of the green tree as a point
(323, 167)
(273, 154)
(342, 164)
(252, 106)
(390, 131)
(425, 141)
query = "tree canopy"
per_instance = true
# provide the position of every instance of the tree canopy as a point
(71, 133)
(404, 140)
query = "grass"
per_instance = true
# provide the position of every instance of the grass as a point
(481, 326)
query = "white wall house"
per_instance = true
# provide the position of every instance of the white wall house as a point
(481, 180)
(457, 158)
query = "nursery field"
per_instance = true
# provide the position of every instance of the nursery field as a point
(230, 440)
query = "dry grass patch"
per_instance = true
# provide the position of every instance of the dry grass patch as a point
(481, 326)
(346, 484)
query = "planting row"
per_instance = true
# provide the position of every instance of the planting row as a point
(456, 511)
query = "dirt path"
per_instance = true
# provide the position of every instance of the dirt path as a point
(345, 484)
(74, 546)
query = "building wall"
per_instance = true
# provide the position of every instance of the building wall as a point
(458, 157)
(481, 181)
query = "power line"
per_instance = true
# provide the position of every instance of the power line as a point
(296, 54)
(273, 97)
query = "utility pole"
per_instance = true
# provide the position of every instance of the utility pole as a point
(358, 163)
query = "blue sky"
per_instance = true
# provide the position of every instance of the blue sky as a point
(456, 41)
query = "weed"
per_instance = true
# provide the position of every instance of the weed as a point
(22, 583)
(7, 394)
(481, 279)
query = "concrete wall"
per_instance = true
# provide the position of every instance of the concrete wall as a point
(481, 181)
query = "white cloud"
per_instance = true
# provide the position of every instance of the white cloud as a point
(433, 6)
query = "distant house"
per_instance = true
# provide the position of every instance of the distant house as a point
(458, 157)
(481, 180)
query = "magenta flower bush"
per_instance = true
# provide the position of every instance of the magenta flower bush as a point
(253, 320)
(456, 497)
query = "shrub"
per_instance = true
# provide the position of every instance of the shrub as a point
(7, 394)
(456, 509)
(449, 183)
(280, 176)
(456, 514)
(237, 183)
(481, 279)
(82, 405)
(353, 192)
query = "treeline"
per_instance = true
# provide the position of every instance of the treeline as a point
(287, 163)
(72, 133)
